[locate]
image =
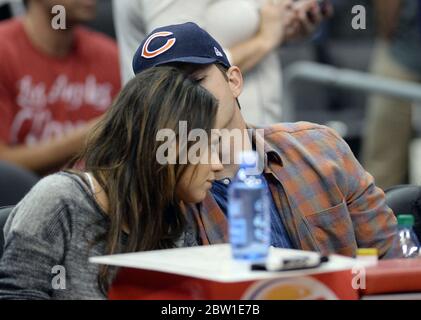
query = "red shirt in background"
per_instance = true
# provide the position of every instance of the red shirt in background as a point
(43, 97)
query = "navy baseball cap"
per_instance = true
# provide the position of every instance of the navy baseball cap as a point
(187, 43)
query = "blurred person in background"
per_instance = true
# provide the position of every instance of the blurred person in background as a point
(388, 125)
(10, 8)
(54, 83)
(250, 31)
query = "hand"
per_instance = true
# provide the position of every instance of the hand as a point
(275, 17)
(309, 18)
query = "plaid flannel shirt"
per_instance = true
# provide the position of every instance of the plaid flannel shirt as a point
(326, 200)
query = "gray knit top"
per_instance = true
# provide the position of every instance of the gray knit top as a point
(49, 238)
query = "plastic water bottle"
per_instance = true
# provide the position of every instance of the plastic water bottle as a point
(406, 243)
(248, 212)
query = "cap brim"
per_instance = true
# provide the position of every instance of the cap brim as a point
(193, 60)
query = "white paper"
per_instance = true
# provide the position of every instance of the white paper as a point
(215, 263)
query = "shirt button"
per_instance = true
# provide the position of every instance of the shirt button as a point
(226, 181)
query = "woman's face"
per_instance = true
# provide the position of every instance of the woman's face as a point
(197, 179)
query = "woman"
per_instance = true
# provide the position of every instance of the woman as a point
(123, 201)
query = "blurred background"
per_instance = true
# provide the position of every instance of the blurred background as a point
(336, 44)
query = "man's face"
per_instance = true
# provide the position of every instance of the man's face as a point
(77, 11)
(226, 86)
(213, 80)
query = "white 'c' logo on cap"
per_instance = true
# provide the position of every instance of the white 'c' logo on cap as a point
(146, 53)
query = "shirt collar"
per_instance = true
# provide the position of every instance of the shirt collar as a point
(271, 152)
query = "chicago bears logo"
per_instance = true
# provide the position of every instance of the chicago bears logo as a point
(146, 53)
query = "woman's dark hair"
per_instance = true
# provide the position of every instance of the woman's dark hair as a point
(121, 155)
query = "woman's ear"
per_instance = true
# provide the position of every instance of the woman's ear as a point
(235, 80)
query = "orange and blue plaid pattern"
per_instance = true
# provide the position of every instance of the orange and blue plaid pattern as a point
(326, 200)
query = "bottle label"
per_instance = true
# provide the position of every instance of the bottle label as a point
(238, 225)
(238, 232)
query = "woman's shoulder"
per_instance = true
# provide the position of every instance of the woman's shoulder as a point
(49, 201)
(59, 187)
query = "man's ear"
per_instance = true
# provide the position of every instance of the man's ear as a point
(235, 80)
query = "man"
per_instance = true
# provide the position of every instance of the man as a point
(322, 199)
(54, 83)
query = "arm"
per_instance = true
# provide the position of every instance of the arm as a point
(248, 54)
(42, 157)
(45, 156)
(274, 21)
(387, 14)
(374, 222)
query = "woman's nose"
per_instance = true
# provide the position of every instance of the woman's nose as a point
(217, 167)
(216, 164)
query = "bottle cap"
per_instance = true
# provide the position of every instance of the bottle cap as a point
(406, 220)
(367, 252)
(248, 158)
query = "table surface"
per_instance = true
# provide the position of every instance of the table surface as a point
(214, 263)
